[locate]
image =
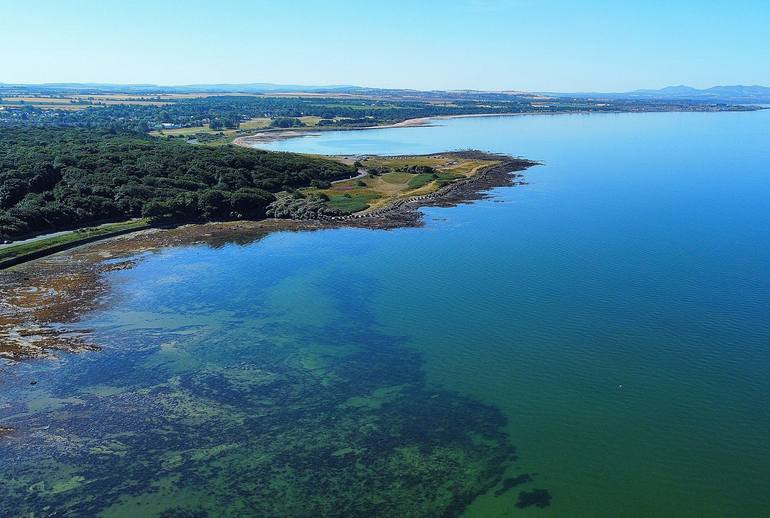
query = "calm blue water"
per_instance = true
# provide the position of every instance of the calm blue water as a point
(610, 320)
(638, 255)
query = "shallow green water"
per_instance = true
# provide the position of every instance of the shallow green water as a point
(602, 333)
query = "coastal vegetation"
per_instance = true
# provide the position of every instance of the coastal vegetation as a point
(389, 179)
(54, 179)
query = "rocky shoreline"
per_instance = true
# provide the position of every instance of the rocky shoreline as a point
(474, 188)
(36, 297)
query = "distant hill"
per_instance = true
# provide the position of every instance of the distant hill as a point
(737, 94)
(264, 87)
(152, 88)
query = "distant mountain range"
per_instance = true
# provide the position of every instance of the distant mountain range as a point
(737, 94)
(719, 94)
(152, 88)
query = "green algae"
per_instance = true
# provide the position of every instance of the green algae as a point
(283, 450)
(253, 414)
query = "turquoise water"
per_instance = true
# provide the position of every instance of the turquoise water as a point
(602, 333)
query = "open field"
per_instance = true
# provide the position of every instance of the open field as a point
(44, 103)
(34, 99)
(251, 124)
(79, 102)
(257, 123)
(392, 178)
(161, 96)
(67, 107)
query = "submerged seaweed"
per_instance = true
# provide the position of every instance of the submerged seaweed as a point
(510, 483)
(255, 417)
(536, 497)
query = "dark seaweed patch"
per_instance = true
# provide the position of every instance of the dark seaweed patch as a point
(537, 497)
(180, 512)
(510, 483)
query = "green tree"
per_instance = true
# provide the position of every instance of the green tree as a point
(214, 204)
(251, 203)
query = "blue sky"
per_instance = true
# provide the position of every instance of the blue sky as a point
(548, 45)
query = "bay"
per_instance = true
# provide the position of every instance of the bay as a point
(603, 331)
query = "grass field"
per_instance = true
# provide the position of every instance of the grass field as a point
(420, 180)
(161, 96)
(396, 178)
(31, 100)
(67, 107)
(258, 123)
(44, 103)
(80, 102)
(353, 201)
(376, 191)
(251, 124)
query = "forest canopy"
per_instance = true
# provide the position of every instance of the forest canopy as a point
(60, 178)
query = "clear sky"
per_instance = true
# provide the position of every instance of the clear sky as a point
(548, 45)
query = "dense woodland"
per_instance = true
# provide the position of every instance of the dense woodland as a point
(55, 178)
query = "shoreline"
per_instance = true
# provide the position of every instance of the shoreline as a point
(38, 296)
(273, 135)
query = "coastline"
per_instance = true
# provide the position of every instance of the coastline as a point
(38, 296)
(272, 135)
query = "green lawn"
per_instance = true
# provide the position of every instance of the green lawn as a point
(352, 202)
(449, 175)
(420, 180)
(397, 177)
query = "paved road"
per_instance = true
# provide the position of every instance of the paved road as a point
(361, 173)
